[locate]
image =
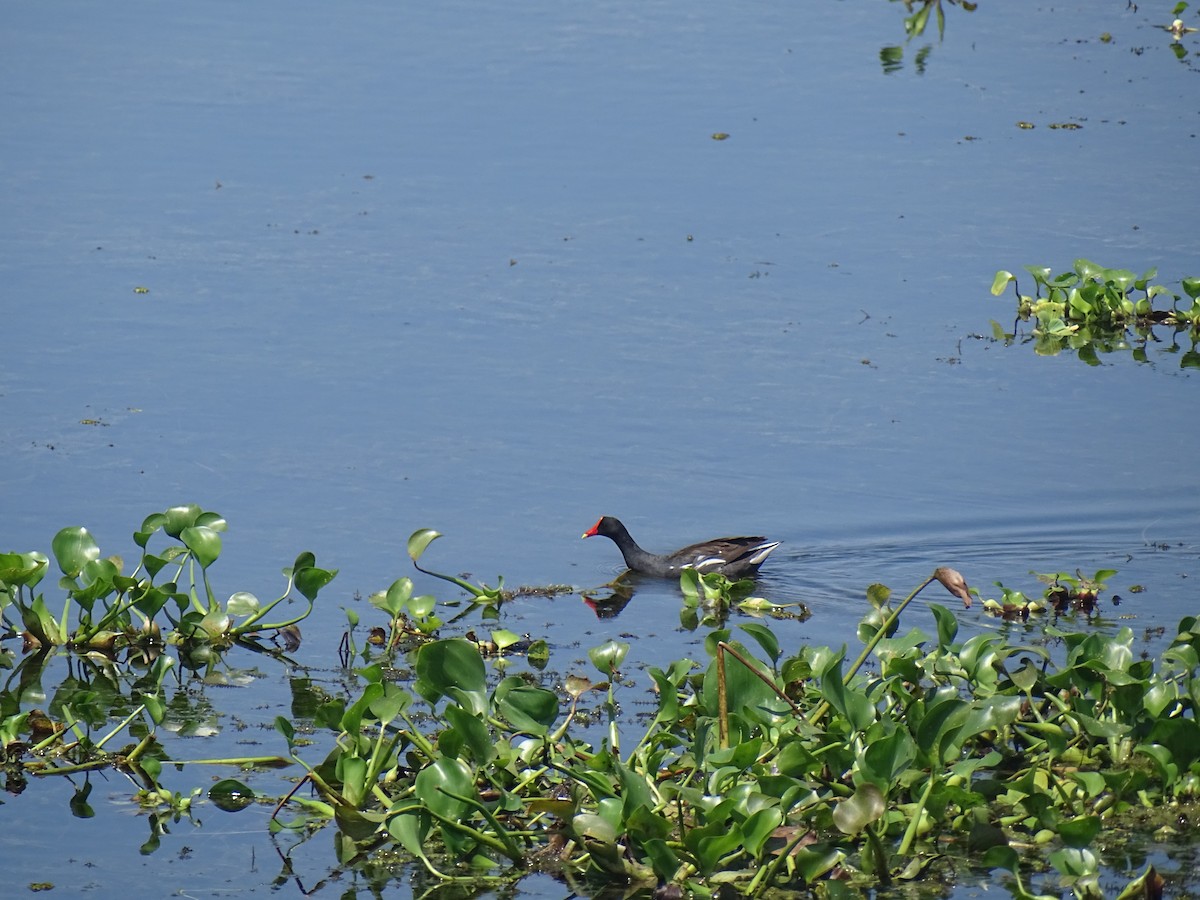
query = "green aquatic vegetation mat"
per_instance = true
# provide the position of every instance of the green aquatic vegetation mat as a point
(761, 768)
(1092, 310)
(168, 593)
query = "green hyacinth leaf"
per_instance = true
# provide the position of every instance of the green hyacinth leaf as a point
(447, 664)
(177, 518)
(74, 548)
(608, 656)
(858, 811)
(204, 542)
(529, 709)
(436, 782)
(151, 524)
(419, 540)
(309, 579)
(25, 569)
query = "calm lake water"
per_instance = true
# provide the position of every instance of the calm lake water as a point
(485, 269)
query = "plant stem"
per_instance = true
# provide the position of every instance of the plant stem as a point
(124, 722)
(722, 699)
(817, 714)
(914, 821)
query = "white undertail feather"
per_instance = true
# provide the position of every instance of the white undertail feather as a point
(762, 551)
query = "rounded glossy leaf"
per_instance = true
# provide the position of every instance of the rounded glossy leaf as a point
(995, 713)
(177, 518)
(815, 862)
(1122, 278)
(714, 639)
(445, 776)
(1000, 282)
(212, 520)
(607, 658)
(393, 702)
(422, 606)
(204, 542)
(1026, 676)
(154, 564)
(152, 765)
(1074, 862)
(885, 758)
(1177, 738)
(74, 548)
(451, 663)
(745, 692)
(352, 772)
(941, 725)
(765, 637)
(329, 715)
(713, 844)
(662, 858)
(242, 604)
(155, 707)
(1159, 695)
(503, 638)
(309, 580)
(213, 625)
(409, 828)
(878, 594)
(947, 625)
(855, 813)
(150, 600)
(304, 559)
(759, 827)
(396, 598)
(356, 827)
(594, 828)
(151, 524)
(41, 624)
(97, 577)
(529, 709)
(352, 719)
(419, 540)
(471, 733)
(1167, 768)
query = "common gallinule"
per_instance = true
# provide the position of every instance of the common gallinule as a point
(733, 557)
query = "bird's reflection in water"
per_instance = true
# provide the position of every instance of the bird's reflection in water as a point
(608, 602)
